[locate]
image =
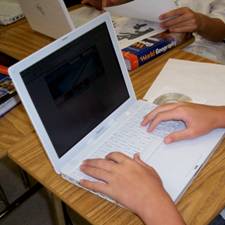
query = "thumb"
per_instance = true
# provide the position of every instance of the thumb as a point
(104, 3)
(138, 159)
(178, 136)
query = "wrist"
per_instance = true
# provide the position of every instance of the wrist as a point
(220, 117)
(201, 23)
(160, 210)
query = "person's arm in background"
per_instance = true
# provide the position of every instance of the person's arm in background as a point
(100, 4)
(199, 119)
(186, 20)
(133, 184)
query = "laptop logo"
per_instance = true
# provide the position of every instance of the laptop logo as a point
(40, 9)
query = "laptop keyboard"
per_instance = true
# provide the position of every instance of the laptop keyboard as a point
(130, 137)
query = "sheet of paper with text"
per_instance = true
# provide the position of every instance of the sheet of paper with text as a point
(142, 9)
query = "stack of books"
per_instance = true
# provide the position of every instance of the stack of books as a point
(8, 95)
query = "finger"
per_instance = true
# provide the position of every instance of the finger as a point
(110, 2)
(105, 3)
(96, 3)
(117, 157)
(178, 136)
(166, 107)
(173, 13)
(184, 27)
(138, 159)
(137, 156)
(104, 164)
(94, 186)
(175, 21)
(91, 2)
(164, 116)
(97, 173)
(142, 163)
(117, 2)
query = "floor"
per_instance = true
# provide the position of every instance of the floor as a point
(37, 209)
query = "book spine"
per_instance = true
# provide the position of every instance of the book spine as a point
(4, 70)
(145, 50)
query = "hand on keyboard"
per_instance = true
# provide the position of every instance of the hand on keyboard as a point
(119, 172)
(131, 183)
(197, 120)
(163, 123)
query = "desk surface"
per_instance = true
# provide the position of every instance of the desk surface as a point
(200, 203)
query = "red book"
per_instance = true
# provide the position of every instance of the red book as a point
(148, 49)
(4, 70)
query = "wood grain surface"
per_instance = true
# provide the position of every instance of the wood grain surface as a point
(200, 203)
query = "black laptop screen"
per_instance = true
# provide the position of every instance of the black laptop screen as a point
(76, 87)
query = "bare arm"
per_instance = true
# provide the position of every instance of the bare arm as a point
(212, 29)
(133, 184)
(185, 20)
(100, 4)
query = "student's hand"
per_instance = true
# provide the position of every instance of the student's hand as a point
(133, 184)
(199, 119)
(185, 20)
(181, 20)
(95, 3)
(126, 180)
(100, 4)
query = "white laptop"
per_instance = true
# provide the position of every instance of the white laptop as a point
(79, 97)
(52, 18)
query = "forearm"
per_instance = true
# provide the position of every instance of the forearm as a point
(212, 29)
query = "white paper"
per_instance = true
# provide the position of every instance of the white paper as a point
(202, 82)
(143, 9)
(83, 15)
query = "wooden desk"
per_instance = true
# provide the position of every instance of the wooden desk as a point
(201, 202)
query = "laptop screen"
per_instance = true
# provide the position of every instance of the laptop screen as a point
(76, 87)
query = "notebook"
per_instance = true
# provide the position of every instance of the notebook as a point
(10, 12)
(79, 97)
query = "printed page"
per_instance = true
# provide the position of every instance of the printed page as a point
(142, 9)
(130, 30)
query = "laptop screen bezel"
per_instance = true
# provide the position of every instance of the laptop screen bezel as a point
(15, 73)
